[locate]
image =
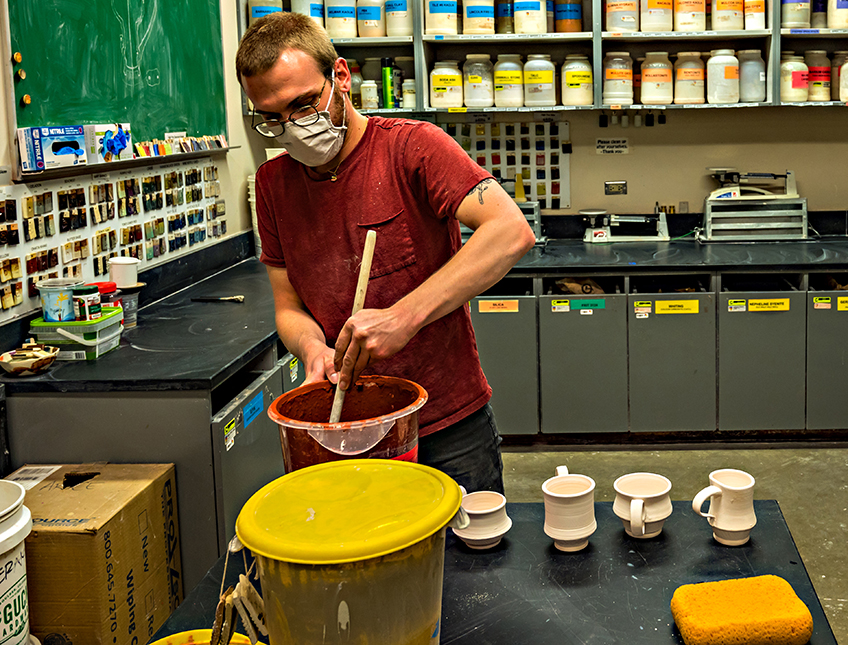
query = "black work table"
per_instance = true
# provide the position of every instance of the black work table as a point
(617, 590)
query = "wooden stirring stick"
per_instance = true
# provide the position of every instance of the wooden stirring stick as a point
(358, 302)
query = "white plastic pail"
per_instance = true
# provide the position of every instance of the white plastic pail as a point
(15, 525)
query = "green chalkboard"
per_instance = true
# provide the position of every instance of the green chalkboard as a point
(156, 64)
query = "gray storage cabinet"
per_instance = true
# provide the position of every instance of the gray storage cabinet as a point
(672, 366)
(762, 360)
(505, 327)
(827, 360)
(583, 363)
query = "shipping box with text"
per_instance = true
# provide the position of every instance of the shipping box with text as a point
(103, 558)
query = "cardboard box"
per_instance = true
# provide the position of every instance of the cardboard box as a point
(103, 558)
(52, 147)
(108, 142)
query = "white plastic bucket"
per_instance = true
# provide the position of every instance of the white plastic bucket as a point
(57, 299)
(123, 271)
(15, 525)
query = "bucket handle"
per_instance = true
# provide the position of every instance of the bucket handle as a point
(88, 343)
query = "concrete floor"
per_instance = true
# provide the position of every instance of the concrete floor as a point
(809, 483)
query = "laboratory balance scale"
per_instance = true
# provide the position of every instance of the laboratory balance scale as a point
(654, 227)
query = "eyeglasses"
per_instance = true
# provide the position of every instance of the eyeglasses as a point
(302, 117)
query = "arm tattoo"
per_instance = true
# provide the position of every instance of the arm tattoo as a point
(480, 189)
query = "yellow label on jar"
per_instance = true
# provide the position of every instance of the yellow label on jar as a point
(472, 78)
(731, 72)
(446, 80)
(576, 79)
(729, 5)
(619, 74)
(509, 78)
(539, 76)
(621, 5)
(656, 76)
(690, 75)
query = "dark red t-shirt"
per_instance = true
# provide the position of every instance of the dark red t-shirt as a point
(405, 179)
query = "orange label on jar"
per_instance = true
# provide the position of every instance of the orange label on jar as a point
(755, 6)
(660, 4)
(656, 76)
(689, 6)
(731, 72)
(728, 5)
(619, 74)
(690, 75)
(621, 5)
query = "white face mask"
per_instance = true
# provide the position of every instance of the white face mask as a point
(318, 143)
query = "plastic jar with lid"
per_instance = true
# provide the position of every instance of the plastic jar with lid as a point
(372, 70)
(837, 14)
(530, 17)
(618, 79)
(755, 14)
(312, 8)
(727, 15)
(578, 87)
(657, 81)
(794, 80)
(722, 77)
(87, 302)
(479, 17)
(539, 88)
(398, 18)
(818, 66)
(795, 14)
(340, 18)
(370, 95)
(371, 18)
(839, 59)
(689, 79)
(509, 81)
(690, 15)
(110, 295)
(478, 80)
(568, 16)
(656, 15)
(504, 17)
(622, 15)
(446, 85)
(408, 102)
(752, 76)
(440, 18)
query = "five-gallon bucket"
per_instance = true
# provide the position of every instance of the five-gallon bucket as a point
(379, 420)
(15, 525)
(352, 551)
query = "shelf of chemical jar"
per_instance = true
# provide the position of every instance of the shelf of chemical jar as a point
(540, 110)
(815, 33)
(385, 111)
(357, 42)
(815, 104)
(684, 35)
(684, 106)
(509, 38)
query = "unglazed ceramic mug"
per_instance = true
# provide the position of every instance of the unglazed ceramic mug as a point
(731, 511)
(642, 502)
(488, 521)
(569, 509)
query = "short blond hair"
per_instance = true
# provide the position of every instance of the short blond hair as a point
(267, 38)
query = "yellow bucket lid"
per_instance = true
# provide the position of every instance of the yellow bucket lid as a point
(346, 511)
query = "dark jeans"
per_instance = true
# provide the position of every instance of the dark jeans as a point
(468, 451)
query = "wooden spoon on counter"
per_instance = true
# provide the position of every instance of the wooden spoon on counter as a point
(358, 302)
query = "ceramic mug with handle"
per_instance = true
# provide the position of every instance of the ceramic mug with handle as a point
(731, 510)
(643, 503)
(488, 521)
(569, 509)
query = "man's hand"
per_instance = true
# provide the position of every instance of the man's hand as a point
(319, 364)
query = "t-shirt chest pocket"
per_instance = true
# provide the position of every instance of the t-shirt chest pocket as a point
(393, 250)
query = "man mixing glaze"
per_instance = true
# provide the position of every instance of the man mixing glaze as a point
(343, 175)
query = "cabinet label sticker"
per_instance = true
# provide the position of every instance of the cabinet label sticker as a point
(771, 304)
(842, 304)
(497, 306)
(820, 302)
(677, 306)
(560, 306)
(589, 303)
(293, 370)
(737, 305)
(230, 434)
(642, 307)
(253, 409)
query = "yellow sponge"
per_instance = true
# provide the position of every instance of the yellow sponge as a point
(746, 611)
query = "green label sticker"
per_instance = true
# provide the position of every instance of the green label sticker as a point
(594, 303)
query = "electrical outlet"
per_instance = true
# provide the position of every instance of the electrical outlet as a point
(683, 207)
(615, 188)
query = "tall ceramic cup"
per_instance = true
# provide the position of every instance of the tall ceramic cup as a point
(731, 510)
(569, 509)
(642, 502)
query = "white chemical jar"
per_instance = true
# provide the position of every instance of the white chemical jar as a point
(312, 8)
(689, 79)
(446, 85)
(728, 15)
(795, 14)
(478, 81)
(479, 17)
(340, 18)
(752, 76)
(530, 17)
(398, 18)
(408, 102)
(657, 82)
(656, 15)
(578, 87)
(622, 15)
(539, 88)
(371, 18)
(509, 81)
(260, 8)
(839, 59)
(843, 83)
(818, 66)
(440, 17)
(370, 95)
(722, 77)
(794, 80)
(618, 79)
(690, 15)
(755, 14)
(837, 14)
